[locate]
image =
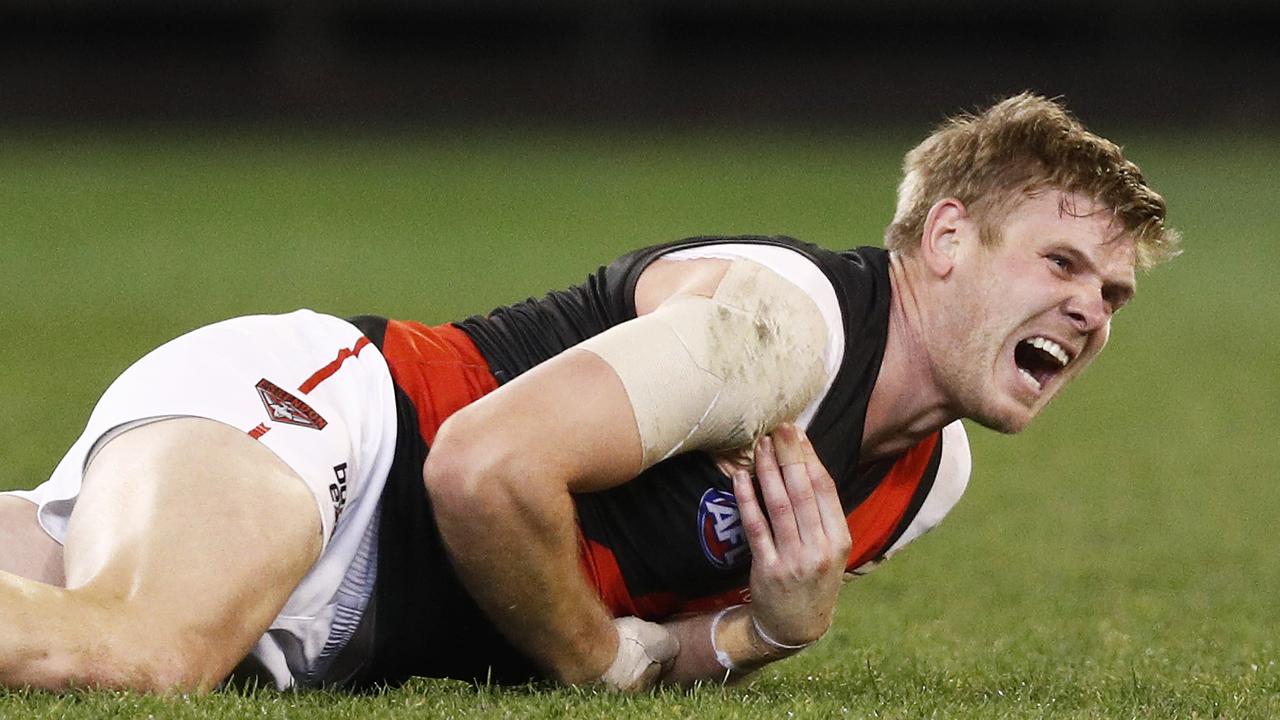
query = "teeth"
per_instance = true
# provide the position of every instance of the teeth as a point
(1052, 348)
(1031, 379)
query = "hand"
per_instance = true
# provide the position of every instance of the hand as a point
(645, 650)
(800, 550)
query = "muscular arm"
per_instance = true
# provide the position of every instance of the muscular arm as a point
(500, 477)
(504, 468)
(500, 474)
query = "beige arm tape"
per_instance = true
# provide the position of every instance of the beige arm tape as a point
(717, 373)
(644, 649)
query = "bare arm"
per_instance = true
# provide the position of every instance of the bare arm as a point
(503, 469)
(511, 460)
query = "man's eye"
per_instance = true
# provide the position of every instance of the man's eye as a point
(1060, 261)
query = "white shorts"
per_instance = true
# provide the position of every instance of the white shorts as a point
(312, 389)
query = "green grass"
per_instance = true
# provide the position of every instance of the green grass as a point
(1118, 559)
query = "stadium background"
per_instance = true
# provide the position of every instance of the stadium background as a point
(164, 165)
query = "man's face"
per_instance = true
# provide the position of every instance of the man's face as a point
(1025, 316)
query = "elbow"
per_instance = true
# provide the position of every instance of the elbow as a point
(478, 477)
(453, 466)
(468, 473)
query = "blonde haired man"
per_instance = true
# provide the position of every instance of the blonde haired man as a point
(563, 488)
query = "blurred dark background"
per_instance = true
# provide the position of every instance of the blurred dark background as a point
(1190, 64)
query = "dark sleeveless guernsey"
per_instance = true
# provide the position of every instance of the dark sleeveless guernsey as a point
(668, 541)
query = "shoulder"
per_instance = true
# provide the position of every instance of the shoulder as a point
(797, 263)
(792, 260)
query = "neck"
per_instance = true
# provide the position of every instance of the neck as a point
(907, 403)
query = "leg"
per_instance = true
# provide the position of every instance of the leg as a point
(25, 549)
(187, 539)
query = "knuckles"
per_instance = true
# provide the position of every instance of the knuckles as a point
(755, 526)
(778, 508)
(805, 564)
(821, 565)
(841, 548)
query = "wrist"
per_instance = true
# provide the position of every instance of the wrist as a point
(737, 646)
(722, 656)
(776, 645)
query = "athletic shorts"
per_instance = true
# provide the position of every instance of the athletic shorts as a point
(318, 394)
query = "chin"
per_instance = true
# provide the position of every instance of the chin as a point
(1009, 421)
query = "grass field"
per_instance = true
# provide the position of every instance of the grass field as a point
(1118, 559)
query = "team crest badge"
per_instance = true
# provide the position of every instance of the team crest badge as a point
(720, 529)
(283, 407)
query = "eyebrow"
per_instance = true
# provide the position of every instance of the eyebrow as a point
(1115, 292)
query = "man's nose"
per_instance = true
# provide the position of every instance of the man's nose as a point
(1087, 308)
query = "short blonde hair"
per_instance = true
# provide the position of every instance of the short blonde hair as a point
(1017, 148)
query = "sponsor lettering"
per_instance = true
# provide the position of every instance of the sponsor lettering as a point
(338, 490)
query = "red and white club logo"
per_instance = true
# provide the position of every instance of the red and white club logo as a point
(720, 529)
(282, 406)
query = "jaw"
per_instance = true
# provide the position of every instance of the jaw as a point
(1023, 383)
(1013, 406)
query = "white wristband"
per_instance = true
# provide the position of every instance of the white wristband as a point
(774, 643)
(722, 657)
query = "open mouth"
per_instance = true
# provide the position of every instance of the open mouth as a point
(1039, 360)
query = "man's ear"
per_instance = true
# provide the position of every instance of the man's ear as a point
(940, 243)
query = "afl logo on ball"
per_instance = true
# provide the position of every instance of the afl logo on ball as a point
(720, 529)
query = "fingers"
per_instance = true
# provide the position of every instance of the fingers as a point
(789, 451)
(834, 522)
(788, 445)
(754, 524)
(793, 595)
(801, 507)
(777, 500)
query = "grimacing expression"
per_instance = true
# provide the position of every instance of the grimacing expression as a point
(1029, 313)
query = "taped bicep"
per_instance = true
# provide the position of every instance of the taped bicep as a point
(715, 373)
